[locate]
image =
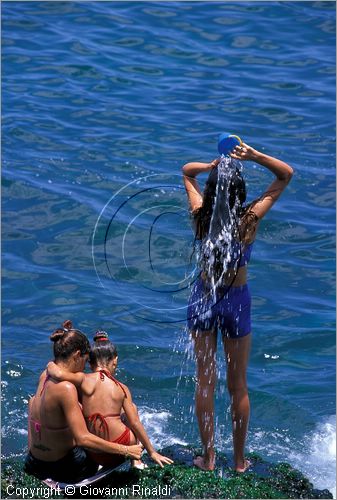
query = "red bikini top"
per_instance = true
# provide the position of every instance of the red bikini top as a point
(103, 372)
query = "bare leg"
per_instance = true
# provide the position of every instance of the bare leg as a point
(237, 354)
(205, 353)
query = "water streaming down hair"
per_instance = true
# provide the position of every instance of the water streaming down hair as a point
(218, 222)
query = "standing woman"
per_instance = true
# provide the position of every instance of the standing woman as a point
(220, 299)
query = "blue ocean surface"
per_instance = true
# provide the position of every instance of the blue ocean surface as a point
(102, 103)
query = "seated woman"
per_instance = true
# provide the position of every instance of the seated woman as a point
(107, 403)
(56, 426)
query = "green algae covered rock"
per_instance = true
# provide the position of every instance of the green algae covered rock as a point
(181, 480)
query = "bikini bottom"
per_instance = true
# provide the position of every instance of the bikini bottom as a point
(107, 459)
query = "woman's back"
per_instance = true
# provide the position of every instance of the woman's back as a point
(103, 395)
(240, 251)
(49, 437)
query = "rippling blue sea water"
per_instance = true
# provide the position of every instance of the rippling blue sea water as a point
(102, 103)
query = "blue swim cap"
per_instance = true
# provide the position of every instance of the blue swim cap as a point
(227, 142)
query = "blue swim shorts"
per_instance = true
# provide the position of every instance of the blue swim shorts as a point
(228, 310)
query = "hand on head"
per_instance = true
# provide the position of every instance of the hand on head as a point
(243, 152)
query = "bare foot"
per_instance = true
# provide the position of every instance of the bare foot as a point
(204, 464)
(246, 466)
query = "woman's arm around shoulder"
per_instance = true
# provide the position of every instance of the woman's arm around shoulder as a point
(61, 375)
(282, 171)
(79, 379)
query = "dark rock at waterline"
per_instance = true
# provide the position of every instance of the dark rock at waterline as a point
(181, 480)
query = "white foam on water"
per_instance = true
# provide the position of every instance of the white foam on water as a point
(314, 456)
(22, 432)
(156, 424)
(317, 460)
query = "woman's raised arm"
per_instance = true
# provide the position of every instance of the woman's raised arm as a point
(193, 191)
(279, 168)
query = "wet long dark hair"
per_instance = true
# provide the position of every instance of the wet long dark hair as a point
(102, 350)
(235, 187)
(237, 193)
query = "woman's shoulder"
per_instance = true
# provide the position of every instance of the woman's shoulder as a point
(90, 378)
(249, 223)
(195, 214)
(89, 383)
(124, 388)
(196, 221)
(112, 385)
(248, 212)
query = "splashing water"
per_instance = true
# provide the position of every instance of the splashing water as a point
(220, 249)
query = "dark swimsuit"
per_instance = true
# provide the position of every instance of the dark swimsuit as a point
(98, 425)
(228, 309)
(73, 467)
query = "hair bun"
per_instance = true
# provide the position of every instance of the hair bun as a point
(57, 336)
(67, 324)
(60, 332)
(101, 335)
